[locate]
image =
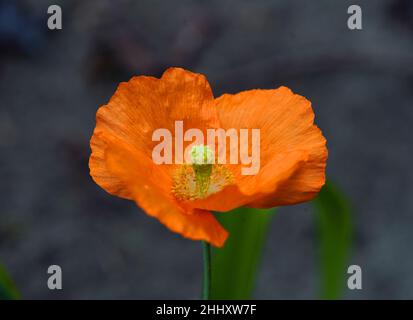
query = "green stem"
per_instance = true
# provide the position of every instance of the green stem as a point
(206, 287)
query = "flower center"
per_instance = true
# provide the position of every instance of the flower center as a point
(201, 178)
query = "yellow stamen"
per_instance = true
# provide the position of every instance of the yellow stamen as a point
(202, 178)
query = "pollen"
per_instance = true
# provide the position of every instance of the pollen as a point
(201, 178)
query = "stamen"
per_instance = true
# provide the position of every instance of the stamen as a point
(202, 178)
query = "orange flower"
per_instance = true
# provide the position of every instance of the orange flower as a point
(293, 151)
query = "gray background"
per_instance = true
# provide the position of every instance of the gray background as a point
(51, 83)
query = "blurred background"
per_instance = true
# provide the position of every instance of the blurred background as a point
(52, 82)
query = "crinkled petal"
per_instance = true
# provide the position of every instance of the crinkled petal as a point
(293, 150)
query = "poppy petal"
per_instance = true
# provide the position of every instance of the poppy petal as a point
(286, 123)
(257, 187)
(145, 104)
(149, 187)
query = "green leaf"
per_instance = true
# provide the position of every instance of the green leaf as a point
(234, 266)
(8, 290)
(334, 229)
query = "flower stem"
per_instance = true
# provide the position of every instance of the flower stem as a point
(206, 287)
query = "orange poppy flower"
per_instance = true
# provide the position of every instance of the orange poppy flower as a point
(293, 151)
